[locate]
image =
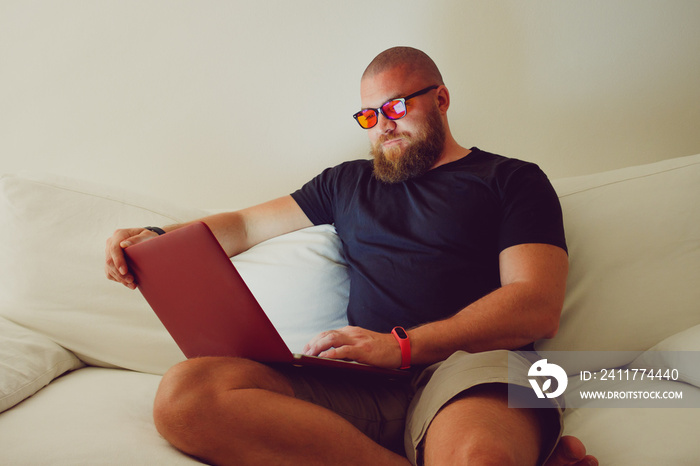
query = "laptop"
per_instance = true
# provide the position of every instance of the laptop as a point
(199, 296)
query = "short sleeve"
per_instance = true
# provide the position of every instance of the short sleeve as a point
(316, 197)
(531, 212)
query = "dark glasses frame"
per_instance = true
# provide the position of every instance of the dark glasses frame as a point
(379, 110)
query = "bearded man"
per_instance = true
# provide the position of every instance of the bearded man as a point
(462, 248)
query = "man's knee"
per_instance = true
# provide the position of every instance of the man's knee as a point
(190, 394)
(181, 399)
(478, 428)
(483, 451)
(482, 447)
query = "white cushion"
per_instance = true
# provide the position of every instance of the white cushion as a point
(52, 239)
(92, 416)
(28, 362)
(634, 242)
(301, 282)
(680, 352)
(687, 340)
(637, 436)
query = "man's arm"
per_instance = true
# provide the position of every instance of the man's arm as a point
(525, 308)
(236, 231)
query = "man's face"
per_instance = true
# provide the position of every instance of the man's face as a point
(409, 147)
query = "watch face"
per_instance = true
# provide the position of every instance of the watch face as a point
(400, 333)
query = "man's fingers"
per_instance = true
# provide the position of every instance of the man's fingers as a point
(115, 262)
(342, 352)
(143, 235)
(324, 341)
(113, 273)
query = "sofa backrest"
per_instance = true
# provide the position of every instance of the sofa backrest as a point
(633, 235)
(634, 254)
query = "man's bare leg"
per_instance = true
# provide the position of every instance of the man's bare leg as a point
(235, 411)
(479, 428)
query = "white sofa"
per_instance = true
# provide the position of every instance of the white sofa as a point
(81, 357)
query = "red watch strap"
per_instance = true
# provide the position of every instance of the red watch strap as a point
(405, 346)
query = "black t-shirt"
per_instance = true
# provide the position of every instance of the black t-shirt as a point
(422, 250)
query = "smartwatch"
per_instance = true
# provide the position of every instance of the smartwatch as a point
(405, 345)
(160, 231)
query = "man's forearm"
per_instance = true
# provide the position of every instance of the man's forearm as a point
(228, 228)
(240, 230)
(508, 318)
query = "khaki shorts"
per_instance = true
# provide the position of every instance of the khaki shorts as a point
(396, 414)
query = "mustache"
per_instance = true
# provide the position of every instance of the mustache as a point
(390, 137)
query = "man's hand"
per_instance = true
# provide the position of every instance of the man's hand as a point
(115, 263)
(357, 344)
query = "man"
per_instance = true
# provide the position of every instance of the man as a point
(463, 248)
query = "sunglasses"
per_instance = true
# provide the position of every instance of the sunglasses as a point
(394, 109)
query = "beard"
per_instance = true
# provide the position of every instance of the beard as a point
(396, 165)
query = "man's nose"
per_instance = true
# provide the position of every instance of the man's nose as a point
(384, 124)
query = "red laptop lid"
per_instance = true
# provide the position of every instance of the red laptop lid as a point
(201, 298)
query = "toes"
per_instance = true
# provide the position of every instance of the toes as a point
(569, 451)
(588, 460)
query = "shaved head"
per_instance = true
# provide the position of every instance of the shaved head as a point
(412, 59)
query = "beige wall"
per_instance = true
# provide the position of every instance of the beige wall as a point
(225, 103)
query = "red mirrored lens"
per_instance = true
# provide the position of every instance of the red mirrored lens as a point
(394, 109)
(367, 118)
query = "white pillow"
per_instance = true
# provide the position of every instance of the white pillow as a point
(680, 352)
(92, 416)
(301, 282)
(28, 362)
(634, 243)
(52, 239)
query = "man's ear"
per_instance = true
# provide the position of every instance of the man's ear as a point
(443, 98)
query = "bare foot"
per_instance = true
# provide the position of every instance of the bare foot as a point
(570, 451)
